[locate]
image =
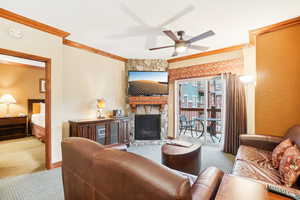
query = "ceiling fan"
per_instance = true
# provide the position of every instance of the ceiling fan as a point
(181, 45)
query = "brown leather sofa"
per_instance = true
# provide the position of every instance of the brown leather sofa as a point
(95, 172)
(253, 159)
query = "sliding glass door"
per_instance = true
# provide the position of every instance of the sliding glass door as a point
(200, 109)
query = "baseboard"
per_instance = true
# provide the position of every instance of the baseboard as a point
(170, 137)
(56, 165)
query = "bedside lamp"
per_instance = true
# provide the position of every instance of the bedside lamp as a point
(100, 107)
(7, 99)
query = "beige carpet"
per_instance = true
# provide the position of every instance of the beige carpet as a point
(21, 156)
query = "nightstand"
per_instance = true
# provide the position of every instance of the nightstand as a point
(13, 127)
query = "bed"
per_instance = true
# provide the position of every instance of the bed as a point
(36, 118)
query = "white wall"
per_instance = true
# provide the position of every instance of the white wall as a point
(41, 44)
(88, 77)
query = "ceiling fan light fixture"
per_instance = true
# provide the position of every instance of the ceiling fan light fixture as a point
(180, 47)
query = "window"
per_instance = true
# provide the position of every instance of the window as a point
(219, 85)
(199, 102)
(190, 103)
(194, 100)
(194, 83)
(201, 85)
(185, 101)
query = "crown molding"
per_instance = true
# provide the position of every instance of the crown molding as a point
(93, 50)
(32, 23)
(274, 27)
(207, 53)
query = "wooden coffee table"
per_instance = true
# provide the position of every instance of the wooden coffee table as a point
(185, 159)
(238, 188)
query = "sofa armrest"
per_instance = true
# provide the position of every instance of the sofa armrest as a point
(264, 142)
(207, 184)
(121, 147)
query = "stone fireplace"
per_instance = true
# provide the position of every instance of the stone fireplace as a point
(147, 106)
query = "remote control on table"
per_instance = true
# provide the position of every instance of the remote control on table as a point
(282, 191)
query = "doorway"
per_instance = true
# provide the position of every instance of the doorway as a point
(200, 110)
(45, 85)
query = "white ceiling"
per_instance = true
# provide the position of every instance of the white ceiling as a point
(99, 23)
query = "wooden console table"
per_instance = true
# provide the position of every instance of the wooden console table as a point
(116, 129)
(239, 188)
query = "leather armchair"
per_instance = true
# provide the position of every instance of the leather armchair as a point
(94, 172)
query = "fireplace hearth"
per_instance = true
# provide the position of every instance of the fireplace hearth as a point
(147, 127)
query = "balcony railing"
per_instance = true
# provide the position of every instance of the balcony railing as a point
(214, 122)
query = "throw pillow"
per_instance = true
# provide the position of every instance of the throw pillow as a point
(289, 167)
(279, 151)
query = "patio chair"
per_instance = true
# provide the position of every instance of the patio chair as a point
(185, 124)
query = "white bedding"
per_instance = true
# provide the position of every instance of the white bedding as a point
(38, 119)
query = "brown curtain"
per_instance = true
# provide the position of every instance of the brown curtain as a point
(236, 116)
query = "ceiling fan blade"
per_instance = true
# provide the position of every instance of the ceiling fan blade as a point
(174, 54)
(201, 36)
(129, 12)
(171, 35)
(161, 47)
(178, 15)
(197, 47)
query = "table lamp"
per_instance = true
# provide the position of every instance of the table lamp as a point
(100, 107)
(7, 99)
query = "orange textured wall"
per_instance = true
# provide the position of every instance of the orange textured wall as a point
(21, 82)
(277, 95)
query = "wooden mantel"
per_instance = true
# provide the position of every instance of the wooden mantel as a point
(160, 101)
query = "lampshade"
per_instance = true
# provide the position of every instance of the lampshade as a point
(101, 103)
(7, 99)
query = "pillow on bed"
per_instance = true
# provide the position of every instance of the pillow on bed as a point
(42, 108)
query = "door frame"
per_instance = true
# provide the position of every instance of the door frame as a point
(176, 99)
(47, 61)
(176, 103)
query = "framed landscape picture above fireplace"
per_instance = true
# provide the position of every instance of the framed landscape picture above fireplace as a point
(147, 83)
